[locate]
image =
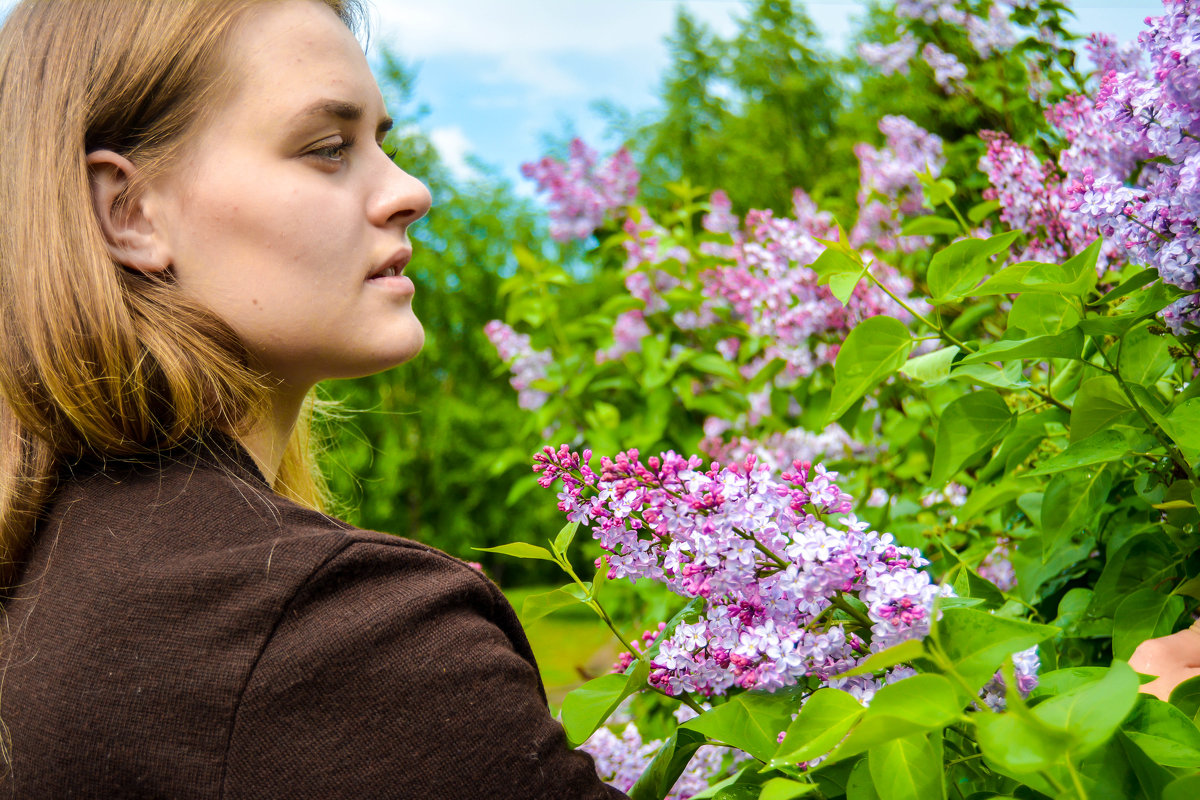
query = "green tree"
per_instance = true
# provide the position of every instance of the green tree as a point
(752, 114)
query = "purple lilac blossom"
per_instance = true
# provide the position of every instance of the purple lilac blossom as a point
(527, 365)
(583, 193)
(891, 58)
(888, 185)
(997, 566)
(763, 276)
(948, 71)
(770, 554)
(991, 35)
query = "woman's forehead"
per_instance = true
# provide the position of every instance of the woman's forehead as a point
(284, 58)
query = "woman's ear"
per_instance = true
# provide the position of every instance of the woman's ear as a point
(126, 220)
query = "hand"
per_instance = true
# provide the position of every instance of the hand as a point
(1173, 659)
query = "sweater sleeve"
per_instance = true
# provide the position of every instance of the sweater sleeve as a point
(397, 671)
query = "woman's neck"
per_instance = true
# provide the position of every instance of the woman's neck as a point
(267, 441)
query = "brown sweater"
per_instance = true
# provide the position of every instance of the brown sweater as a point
(178, 631)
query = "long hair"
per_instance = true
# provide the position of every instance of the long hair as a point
(97, 360)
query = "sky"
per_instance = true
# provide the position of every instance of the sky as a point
(496, 77)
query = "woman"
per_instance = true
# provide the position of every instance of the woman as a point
(199, 225)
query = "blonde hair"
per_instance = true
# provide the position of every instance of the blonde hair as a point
(97, 360)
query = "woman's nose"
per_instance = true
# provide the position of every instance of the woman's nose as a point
(401, 198)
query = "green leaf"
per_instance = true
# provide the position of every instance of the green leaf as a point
(667, 766)
(565, 536)
(876, 348)
(785, 789)
(937, 190)
(1186, 697)
(745, 783)
(1019, 745)
(1091, 713)
(1072, 500)
(902, 653)
(906, 769)
(1064, 680)
(1068, 344)
(714, 364)
(955, 269)
(1007, 377)
(1107, 445)
(1185, 788)
(750, 722)
(1042, 315)
(1144, 561)
(823, 721)
(930, 226)
(519, 550)
(860, 786)
(1144, 357)
(832, 262)
(918, 704)
(1128, 286)
(842, 285)
(981, 211)
(969, 425)
(976, 642)
(1076, 276)
(585, 709)
(931, 369)
(1164, 733)
(1183, 426)
(1152, 778)
(1098, 404)
(1143, 615)
(539, 605)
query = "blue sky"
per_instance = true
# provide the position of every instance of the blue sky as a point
(496, 76)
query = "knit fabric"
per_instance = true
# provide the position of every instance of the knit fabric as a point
(179, 631)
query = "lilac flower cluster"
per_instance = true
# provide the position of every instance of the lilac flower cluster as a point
(779, 450)
(527, 365)
(997, 566)
(988, 35)
(582, 193)
(948, 71)
(776, 558)
(763, 275)
(892, 58)
(771, 287)
(1131, 168)
(888, 186)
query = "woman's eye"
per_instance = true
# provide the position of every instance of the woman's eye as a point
(389, 151)
(335, 151)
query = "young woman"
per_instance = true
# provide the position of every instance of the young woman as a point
(199, 225)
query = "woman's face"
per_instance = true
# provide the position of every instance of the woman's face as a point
(284, 214)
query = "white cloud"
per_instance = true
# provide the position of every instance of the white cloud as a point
(454, 147)
(486, 27)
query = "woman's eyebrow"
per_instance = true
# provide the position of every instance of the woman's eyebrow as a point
(343, 110)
